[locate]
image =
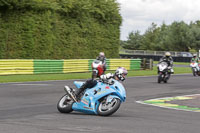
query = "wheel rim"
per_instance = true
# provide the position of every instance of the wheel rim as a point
(64, 102)
(103, 107)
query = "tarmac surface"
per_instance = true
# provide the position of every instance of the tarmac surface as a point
(31, 108)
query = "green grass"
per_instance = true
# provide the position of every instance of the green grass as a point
(45, 77)
(177, 70)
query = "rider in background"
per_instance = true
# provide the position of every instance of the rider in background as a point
(167, 58)
(119, 75)
(195, 58)
(102, 58)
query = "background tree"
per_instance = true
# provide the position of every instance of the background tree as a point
(59, 29)
(134, 41)
(177, 36)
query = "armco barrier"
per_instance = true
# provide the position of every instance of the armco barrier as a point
(80, 65)
(13, 66)
(16, 67)
(48, 66)
(129, 64)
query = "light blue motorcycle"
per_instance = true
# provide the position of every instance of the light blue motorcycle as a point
(103, 99)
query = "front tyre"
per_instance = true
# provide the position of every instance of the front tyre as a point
(159, 78)
(65, 104)
(167, 78)
(109, 108)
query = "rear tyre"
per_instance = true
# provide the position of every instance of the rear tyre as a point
(108, 109)
(65, 104)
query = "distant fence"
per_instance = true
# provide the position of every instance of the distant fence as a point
(15, 66)
(155, 58)
(154, 53)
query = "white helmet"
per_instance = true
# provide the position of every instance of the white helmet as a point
(194, 55)
(167, 54)
(121, 72)
(101, 54)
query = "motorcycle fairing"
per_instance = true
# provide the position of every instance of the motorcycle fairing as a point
(90, 101)
(78, 84)
(100, 71)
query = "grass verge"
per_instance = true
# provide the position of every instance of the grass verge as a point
(45, 77)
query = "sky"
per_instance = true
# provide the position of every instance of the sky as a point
(140, 14)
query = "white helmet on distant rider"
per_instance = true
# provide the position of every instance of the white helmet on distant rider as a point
(101, 56)
(167, 54)
(194, 55)
(121, 73)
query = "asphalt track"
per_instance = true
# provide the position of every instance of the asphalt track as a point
(31, 108)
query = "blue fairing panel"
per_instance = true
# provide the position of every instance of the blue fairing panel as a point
(78, 84)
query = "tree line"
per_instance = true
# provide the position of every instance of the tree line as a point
(59, 29)
(178, 36)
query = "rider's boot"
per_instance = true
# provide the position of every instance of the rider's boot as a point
(79, 91)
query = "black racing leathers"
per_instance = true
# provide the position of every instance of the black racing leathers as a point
(169, 60)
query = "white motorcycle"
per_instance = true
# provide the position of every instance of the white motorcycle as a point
(163, 72)
(195, 68)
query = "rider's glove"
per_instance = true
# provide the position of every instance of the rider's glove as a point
(103, 77)
(169, 67)
(110, 82)
(106, 76)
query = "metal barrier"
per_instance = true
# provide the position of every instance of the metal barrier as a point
(155, 58)
(154, 53)
(14, 66)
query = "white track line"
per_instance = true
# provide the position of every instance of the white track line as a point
(142, 102)
(33, 84)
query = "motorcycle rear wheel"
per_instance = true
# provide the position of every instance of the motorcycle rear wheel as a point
(112, 108)
(65, 104)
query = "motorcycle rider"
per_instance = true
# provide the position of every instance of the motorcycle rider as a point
(119, 74)
(102, 58)
(195, 58)
(169, 60)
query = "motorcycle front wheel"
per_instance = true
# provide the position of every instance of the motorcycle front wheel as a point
(159, 78)
(106, 109)
(167, 78)
(65, 104)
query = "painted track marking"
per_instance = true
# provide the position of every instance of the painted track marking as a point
(160, 102)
